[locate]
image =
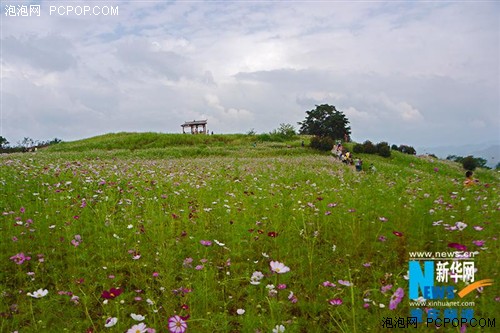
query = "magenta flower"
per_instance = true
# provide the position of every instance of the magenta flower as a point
(335, 301)
(206, 243)
(20, 258)
(177, 325)
(397, 233)
(458, 246)
(112, 293)
(479, 242)
(396, 298)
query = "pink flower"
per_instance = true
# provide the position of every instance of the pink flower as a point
(279, 267)
(335, 301)
(156, 274)
(176, 324)
(139, 328)
(281, 286)
(20, 258)
(328, 284)
(206, 243)
(345, 283)
(479, 242)
(396, 298)
(386, 288)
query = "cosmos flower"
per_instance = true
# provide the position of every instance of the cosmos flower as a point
(335, 301)
(139, 328)
(256, 277)
(240, 311)
(396, 298)
(112, 293)
(137, 317)
(386, 288)
(458, 246)
(206, 243)
(176, 324)
(20, 258)
(279, 329)
(279, 267)
(397, 233)
(345, 283)
(39, 293)
(111, 321)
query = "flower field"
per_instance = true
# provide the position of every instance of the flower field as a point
(222, 244)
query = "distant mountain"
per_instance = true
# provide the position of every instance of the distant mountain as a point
(489, 151)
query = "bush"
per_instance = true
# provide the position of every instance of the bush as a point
(469, 163)
(383, 149)
(358, 149)
(322, 143)
(369, 147)
(407, 149)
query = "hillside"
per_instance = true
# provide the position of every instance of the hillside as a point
(160, 146)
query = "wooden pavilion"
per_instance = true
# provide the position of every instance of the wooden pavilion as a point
(194, 126)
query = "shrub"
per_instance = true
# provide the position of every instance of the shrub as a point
(383, 149)
(369, 147)
(407, 149)
(322, 143)
(358, 148)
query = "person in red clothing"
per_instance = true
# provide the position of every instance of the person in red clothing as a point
(469, 179)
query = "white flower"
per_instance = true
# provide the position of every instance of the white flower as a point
(218, 243)
(279, 329)
(240, 311)
(130, 226)
(460, 225)
(279, 267)
(256, 277)
(111, 321)
(139, 328)
(39, 293)
(137, 317)
(265, 255)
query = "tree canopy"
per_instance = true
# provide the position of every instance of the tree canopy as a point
(326, 121)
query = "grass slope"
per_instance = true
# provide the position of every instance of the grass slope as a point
(135, 219)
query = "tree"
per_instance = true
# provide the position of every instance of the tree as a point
(326, 121)
(469, 163)
(3, 142)
(286, 131)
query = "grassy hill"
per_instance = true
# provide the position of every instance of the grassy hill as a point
(105, 227)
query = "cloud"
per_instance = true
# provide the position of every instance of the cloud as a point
(412, 73)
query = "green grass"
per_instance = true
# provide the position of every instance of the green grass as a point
(161, 200)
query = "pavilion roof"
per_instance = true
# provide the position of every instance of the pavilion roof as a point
(194, 122)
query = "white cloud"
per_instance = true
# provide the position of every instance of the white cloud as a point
(412, 73)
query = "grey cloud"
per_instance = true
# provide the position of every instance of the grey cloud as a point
(48, 53)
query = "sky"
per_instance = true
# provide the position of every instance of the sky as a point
(421, 73)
